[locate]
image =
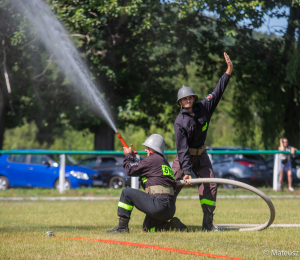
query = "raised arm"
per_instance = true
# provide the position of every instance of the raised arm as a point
(281, 147)
(229, 64)
(212, 100)
(131, 166)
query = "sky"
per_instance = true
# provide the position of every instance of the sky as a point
(273, 24)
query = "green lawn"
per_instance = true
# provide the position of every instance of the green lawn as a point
(23, 226)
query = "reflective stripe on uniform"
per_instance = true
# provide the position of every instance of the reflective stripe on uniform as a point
(208, 202)
(125, 206)
(167, 171)
(152, 229)
(204, 127)
(144, 179)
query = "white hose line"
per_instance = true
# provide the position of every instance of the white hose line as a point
(256, 225)
(241, 185)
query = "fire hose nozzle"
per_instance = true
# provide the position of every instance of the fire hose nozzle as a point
(122, 140)
(135, 151)
(125, 145)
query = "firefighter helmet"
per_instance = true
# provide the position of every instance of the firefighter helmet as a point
(156, 142)
(185, 91)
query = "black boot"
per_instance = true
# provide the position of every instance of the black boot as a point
(207, 224)
(174, 223)
(163, 227)
(177, 224)
(122, 227)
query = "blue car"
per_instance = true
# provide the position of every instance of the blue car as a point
(41, 170)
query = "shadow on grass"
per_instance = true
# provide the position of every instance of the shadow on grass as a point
(14, 229)
(98, 228)
(199, 228)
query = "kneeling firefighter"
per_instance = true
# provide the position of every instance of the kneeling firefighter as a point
(191, 126)
(158, 180)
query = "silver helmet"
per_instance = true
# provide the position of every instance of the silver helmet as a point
(185, 91)
(156, 142)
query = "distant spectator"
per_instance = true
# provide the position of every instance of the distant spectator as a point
(286, 162)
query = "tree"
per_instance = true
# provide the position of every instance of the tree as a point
(266, 69)
(34, 79)
(136, 49)
(6, 32)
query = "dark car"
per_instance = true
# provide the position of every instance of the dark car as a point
(295, 162)
(251, 169)
(111, 168)
(248, 168)
(40, 170)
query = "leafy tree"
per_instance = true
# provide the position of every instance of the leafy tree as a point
(40, 93)
(268, 91)
(137, 50)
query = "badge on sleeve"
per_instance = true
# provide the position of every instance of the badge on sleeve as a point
(134, 164)
(210, 96)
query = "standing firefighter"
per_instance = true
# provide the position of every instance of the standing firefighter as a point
(157, 178)
(191, 126)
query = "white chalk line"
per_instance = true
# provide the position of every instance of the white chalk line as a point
(255, 225)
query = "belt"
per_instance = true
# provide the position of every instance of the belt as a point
(159, 189)
(194, 151)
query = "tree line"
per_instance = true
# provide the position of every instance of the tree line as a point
(137, 50)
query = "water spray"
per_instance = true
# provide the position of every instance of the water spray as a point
(7, 80)
(54, 36)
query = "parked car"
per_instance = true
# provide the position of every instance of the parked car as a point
(248, 168)
(111, 168)
(41, 170)
(295, 162)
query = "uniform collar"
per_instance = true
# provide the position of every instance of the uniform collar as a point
(159, 154)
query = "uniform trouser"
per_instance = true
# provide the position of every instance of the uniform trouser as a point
(158, 210)
(202, 168)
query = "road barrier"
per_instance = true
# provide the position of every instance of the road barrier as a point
(63, 153)
(109, 152)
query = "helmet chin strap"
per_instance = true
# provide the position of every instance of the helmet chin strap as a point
(182, 107)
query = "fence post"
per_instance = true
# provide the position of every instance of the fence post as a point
(62, 172)
(135, 182)
(276, 171)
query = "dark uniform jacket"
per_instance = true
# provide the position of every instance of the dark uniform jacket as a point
(191, 130)
(153, 170)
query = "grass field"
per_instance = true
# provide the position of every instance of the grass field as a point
(23, 226)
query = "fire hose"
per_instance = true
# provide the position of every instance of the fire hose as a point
(242, 185)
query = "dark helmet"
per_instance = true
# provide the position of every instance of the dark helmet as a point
(186, 91)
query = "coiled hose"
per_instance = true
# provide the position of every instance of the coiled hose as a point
(241, 185)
